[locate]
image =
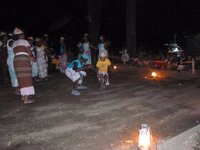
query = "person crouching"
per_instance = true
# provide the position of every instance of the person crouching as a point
(76, 71)
(102, 65)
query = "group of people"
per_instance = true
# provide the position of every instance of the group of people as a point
(27, 60)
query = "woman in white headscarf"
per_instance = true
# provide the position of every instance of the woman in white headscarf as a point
(22, 64)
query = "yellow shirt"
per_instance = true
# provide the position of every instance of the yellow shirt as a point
(103, 65)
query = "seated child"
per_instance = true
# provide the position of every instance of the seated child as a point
(102, 66)
(76, 71)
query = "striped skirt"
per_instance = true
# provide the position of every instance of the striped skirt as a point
(23, 71)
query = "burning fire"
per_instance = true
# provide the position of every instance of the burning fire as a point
(154, 74)
(115, 67)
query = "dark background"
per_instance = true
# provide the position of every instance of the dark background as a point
(157, 20)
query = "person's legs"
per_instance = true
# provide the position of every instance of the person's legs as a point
(102, 81)
(74, 88)
(107, 80)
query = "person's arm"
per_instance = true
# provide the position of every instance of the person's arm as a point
(32, 58)
(93, 47)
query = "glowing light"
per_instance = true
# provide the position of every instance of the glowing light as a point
(145, 138)
(154, 74)
(115, 67)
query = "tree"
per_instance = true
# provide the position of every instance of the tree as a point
(131, 26)
(94, 19)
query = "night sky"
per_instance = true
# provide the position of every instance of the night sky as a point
(157, 20)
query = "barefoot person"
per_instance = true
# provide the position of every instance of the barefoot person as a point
(22, 64)
(75, 72)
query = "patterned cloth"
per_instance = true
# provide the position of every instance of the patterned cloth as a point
(22, 67)
(42, 63)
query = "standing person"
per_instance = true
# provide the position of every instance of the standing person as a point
(4, 55)
(101, 45)
(63, 55)
(11, 69)
(22, 65)
(33, 63)
(41, 59)
(103, 64)
(87, 48)
(75, 72)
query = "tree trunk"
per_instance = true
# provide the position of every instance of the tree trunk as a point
(131, 26)
(94, 18)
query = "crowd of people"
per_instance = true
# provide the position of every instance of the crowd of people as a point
(28, 59)
(171, 61)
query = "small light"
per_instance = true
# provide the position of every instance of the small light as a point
(115, 67)
(145, 137)
(153, 74)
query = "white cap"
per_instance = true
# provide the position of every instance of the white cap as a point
(45, 35)
(103, 54)
(17, 31)
(2, 33)
(37, 39)
(62, 38)
(30, 38)
(85, 34)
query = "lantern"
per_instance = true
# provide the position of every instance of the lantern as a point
(145, 138)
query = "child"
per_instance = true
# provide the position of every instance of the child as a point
(75, 72)
(102, 65)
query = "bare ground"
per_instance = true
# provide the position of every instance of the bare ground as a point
(100, 120)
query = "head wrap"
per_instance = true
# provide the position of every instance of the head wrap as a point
(103, 54)
(85, 56)
(2, 33)
(37, 39)
(17, 31)
(30, 38)
(62, 38)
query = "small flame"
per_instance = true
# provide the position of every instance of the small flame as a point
(153, 74)
(115, 67)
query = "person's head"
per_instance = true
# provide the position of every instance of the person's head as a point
(84, 58)
(3, 37)
(85, 37)
(101, 38)
(18, 33)
(103, 56)
(45, 36)
(38, 41)
(62, 39)
(30, 40)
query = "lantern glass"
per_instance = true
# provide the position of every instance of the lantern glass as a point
(144, 137)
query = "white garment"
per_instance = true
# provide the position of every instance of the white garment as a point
(86, 50)
(101, 47)
(20, 42)
(10, 64)
(34, 65)
(41, 61)
(27, 90)
(73, 75)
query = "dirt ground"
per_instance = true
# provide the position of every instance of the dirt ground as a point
(100, 119)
